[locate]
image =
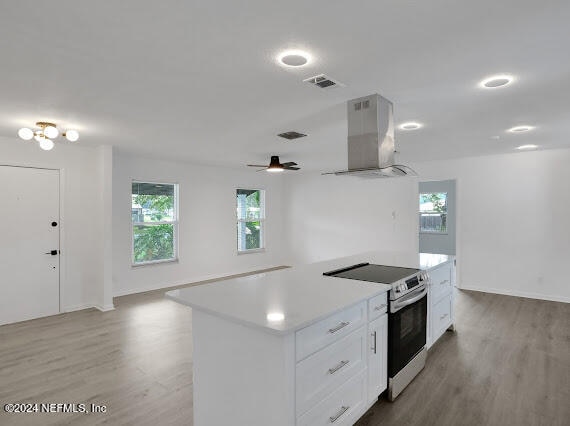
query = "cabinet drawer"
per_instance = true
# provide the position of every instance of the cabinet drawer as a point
(440, 282)
(342, 408)
(316, 336)
(441, 317)
(321, 373)
(377, 306)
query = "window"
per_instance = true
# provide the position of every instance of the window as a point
(433, 212)
(154, 212)
(250, 205)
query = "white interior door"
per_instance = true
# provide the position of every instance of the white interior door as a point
(29, 232)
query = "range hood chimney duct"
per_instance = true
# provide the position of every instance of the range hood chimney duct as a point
(371, 143)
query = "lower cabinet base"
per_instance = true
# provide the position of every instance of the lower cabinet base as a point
(397, 384)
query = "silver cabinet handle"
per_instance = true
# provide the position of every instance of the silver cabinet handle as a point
(443, 316)
(374, 336)
(342, 410)
(338, 367)
(443, 282)
(338, 327)
(379, 307)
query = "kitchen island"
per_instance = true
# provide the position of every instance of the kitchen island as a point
(291, 347)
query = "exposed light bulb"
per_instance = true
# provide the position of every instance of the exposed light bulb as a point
(46, 144)
(25, 133)
(39, 136)
(51, 132)
(71, 135)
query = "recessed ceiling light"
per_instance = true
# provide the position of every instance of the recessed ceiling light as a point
(410, 125)
(496, 81)
(529, 146)
(275, 316)
(294, 58)
(520, 129)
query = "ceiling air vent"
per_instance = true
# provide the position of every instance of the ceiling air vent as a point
(323, 81)
(291, 135)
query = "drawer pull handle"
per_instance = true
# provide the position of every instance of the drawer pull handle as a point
(444, 282)
(443, 316)
(338, 327)
(374, 336)
(338, 367)
(343, 410)
(380, 307)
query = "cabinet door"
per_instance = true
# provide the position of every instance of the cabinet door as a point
(378, 357)
(441, 317)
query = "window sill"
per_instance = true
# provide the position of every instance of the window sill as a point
(433, 233)
(261, 250)
(154, 262)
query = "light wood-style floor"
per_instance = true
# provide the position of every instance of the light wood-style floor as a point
(508, 364)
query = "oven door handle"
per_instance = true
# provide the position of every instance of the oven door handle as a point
(399, 305)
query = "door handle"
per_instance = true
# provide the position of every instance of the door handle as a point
(52, 253)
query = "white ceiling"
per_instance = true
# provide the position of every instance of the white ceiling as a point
(198, 81)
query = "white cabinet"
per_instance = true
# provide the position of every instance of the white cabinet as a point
(342, 366)
(323, 372)
(377, 357)
(441, 316)
(314, 337)
(377, 306)
(341, 408)
(440, 301)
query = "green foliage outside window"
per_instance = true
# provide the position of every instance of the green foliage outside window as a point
(250, 215)
(154, 222)
(155, 242)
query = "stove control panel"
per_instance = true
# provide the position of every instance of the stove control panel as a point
(403, 287)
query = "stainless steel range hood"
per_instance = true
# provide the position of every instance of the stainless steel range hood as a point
(371, 140)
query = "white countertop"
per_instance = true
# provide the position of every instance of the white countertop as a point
(302, 295)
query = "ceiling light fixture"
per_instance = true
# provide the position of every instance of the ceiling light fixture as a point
(520, 129)
(275, 316)
(44, 135)
(294, 58)
(495, 81)
(410, 125)
(529, 146)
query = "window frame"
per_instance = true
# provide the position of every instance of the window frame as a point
(420, 215)
(262, 220)
(175, 226)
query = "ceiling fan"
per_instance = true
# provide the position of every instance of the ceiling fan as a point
(276, 166)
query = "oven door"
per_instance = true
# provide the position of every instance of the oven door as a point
(407, 323)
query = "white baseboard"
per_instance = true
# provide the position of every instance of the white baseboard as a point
(191, 280)
(105, 308)
(79, 307)
(82, 306)
(528, 295)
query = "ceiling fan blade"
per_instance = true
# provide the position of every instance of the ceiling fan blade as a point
(292, 168)
(289, 164)
(257, 165)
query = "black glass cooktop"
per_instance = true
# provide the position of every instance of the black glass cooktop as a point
(373, 273)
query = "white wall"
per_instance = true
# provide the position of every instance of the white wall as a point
(512, 221)
(332, 216)
(81, 259)
(207, 230)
